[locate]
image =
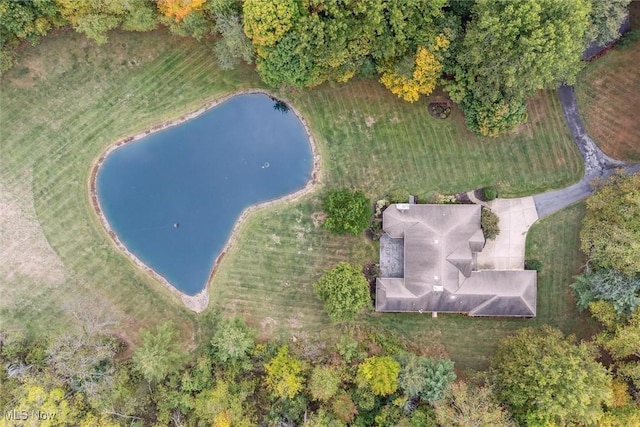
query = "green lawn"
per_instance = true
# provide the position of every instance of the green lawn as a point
(607, 94)
(67, 100)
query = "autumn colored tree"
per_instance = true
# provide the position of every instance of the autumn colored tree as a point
(467, 405)
(610, 234)
(548, 379)
(379, 374)
(266, 22)
(179, 9)
(284, 374)
(37, 399)
(344, 291)
(226, 404)
(421, 81)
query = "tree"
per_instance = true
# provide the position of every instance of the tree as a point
(93, 18)
(621, 337)
(266, 22)
(179, 9)
(142, 15)
(224, 405)
(159, 354)
(470, 406)
(512, 49)
(606, 18)
(36, 399)
(425, 378)
(421, 80)
(83, 362)
(233, 45)
(344, 291)
(380, 374)
(232, 342)
(608, 285)
(324, 383)
(347, 211)
(610, 233)
(284, 374)
(548, 379)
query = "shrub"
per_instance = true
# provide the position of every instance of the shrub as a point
(375, 230)
(347, 211)
(533, 264)
(399, 195)
(489, 193)
(489, 222)
(628, 39)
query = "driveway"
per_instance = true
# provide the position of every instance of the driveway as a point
(506, 252)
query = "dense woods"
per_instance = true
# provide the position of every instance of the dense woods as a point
(490, 56)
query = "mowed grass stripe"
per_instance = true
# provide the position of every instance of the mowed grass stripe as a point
(607, 93)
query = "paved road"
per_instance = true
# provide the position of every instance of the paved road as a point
(597, 164)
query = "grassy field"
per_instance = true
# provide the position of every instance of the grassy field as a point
(67, 100)
(608, 94)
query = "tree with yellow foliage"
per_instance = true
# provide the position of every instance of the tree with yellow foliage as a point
(284, 374)
(178, 9)
(267, 21)
(426, 69)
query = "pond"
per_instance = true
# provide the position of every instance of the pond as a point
(173, 197)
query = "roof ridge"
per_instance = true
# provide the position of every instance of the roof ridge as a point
(484, 304)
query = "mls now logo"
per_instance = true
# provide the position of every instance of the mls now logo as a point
(24, 415)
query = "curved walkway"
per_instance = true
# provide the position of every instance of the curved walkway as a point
(596, 163)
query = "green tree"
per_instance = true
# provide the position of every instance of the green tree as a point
(159, 354)
(347, 211)
(233, 341)
(606, 18)
(608, 285)
(344, 291)
(512, 49)
(470, 406)
(284, 374)
(379, 374)
(425, 378)
(324, 383)
(233, 45)
(141, 15)
(548, 379)
(610, 233)
(93, 18)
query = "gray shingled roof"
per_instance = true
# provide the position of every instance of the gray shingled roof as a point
(427, 263)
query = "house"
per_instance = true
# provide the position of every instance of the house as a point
(428, 264)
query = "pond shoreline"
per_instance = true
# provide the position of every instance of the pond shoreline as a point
(199, 301)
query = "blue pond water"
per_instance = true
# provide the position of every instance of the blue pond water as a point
(173, 197)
